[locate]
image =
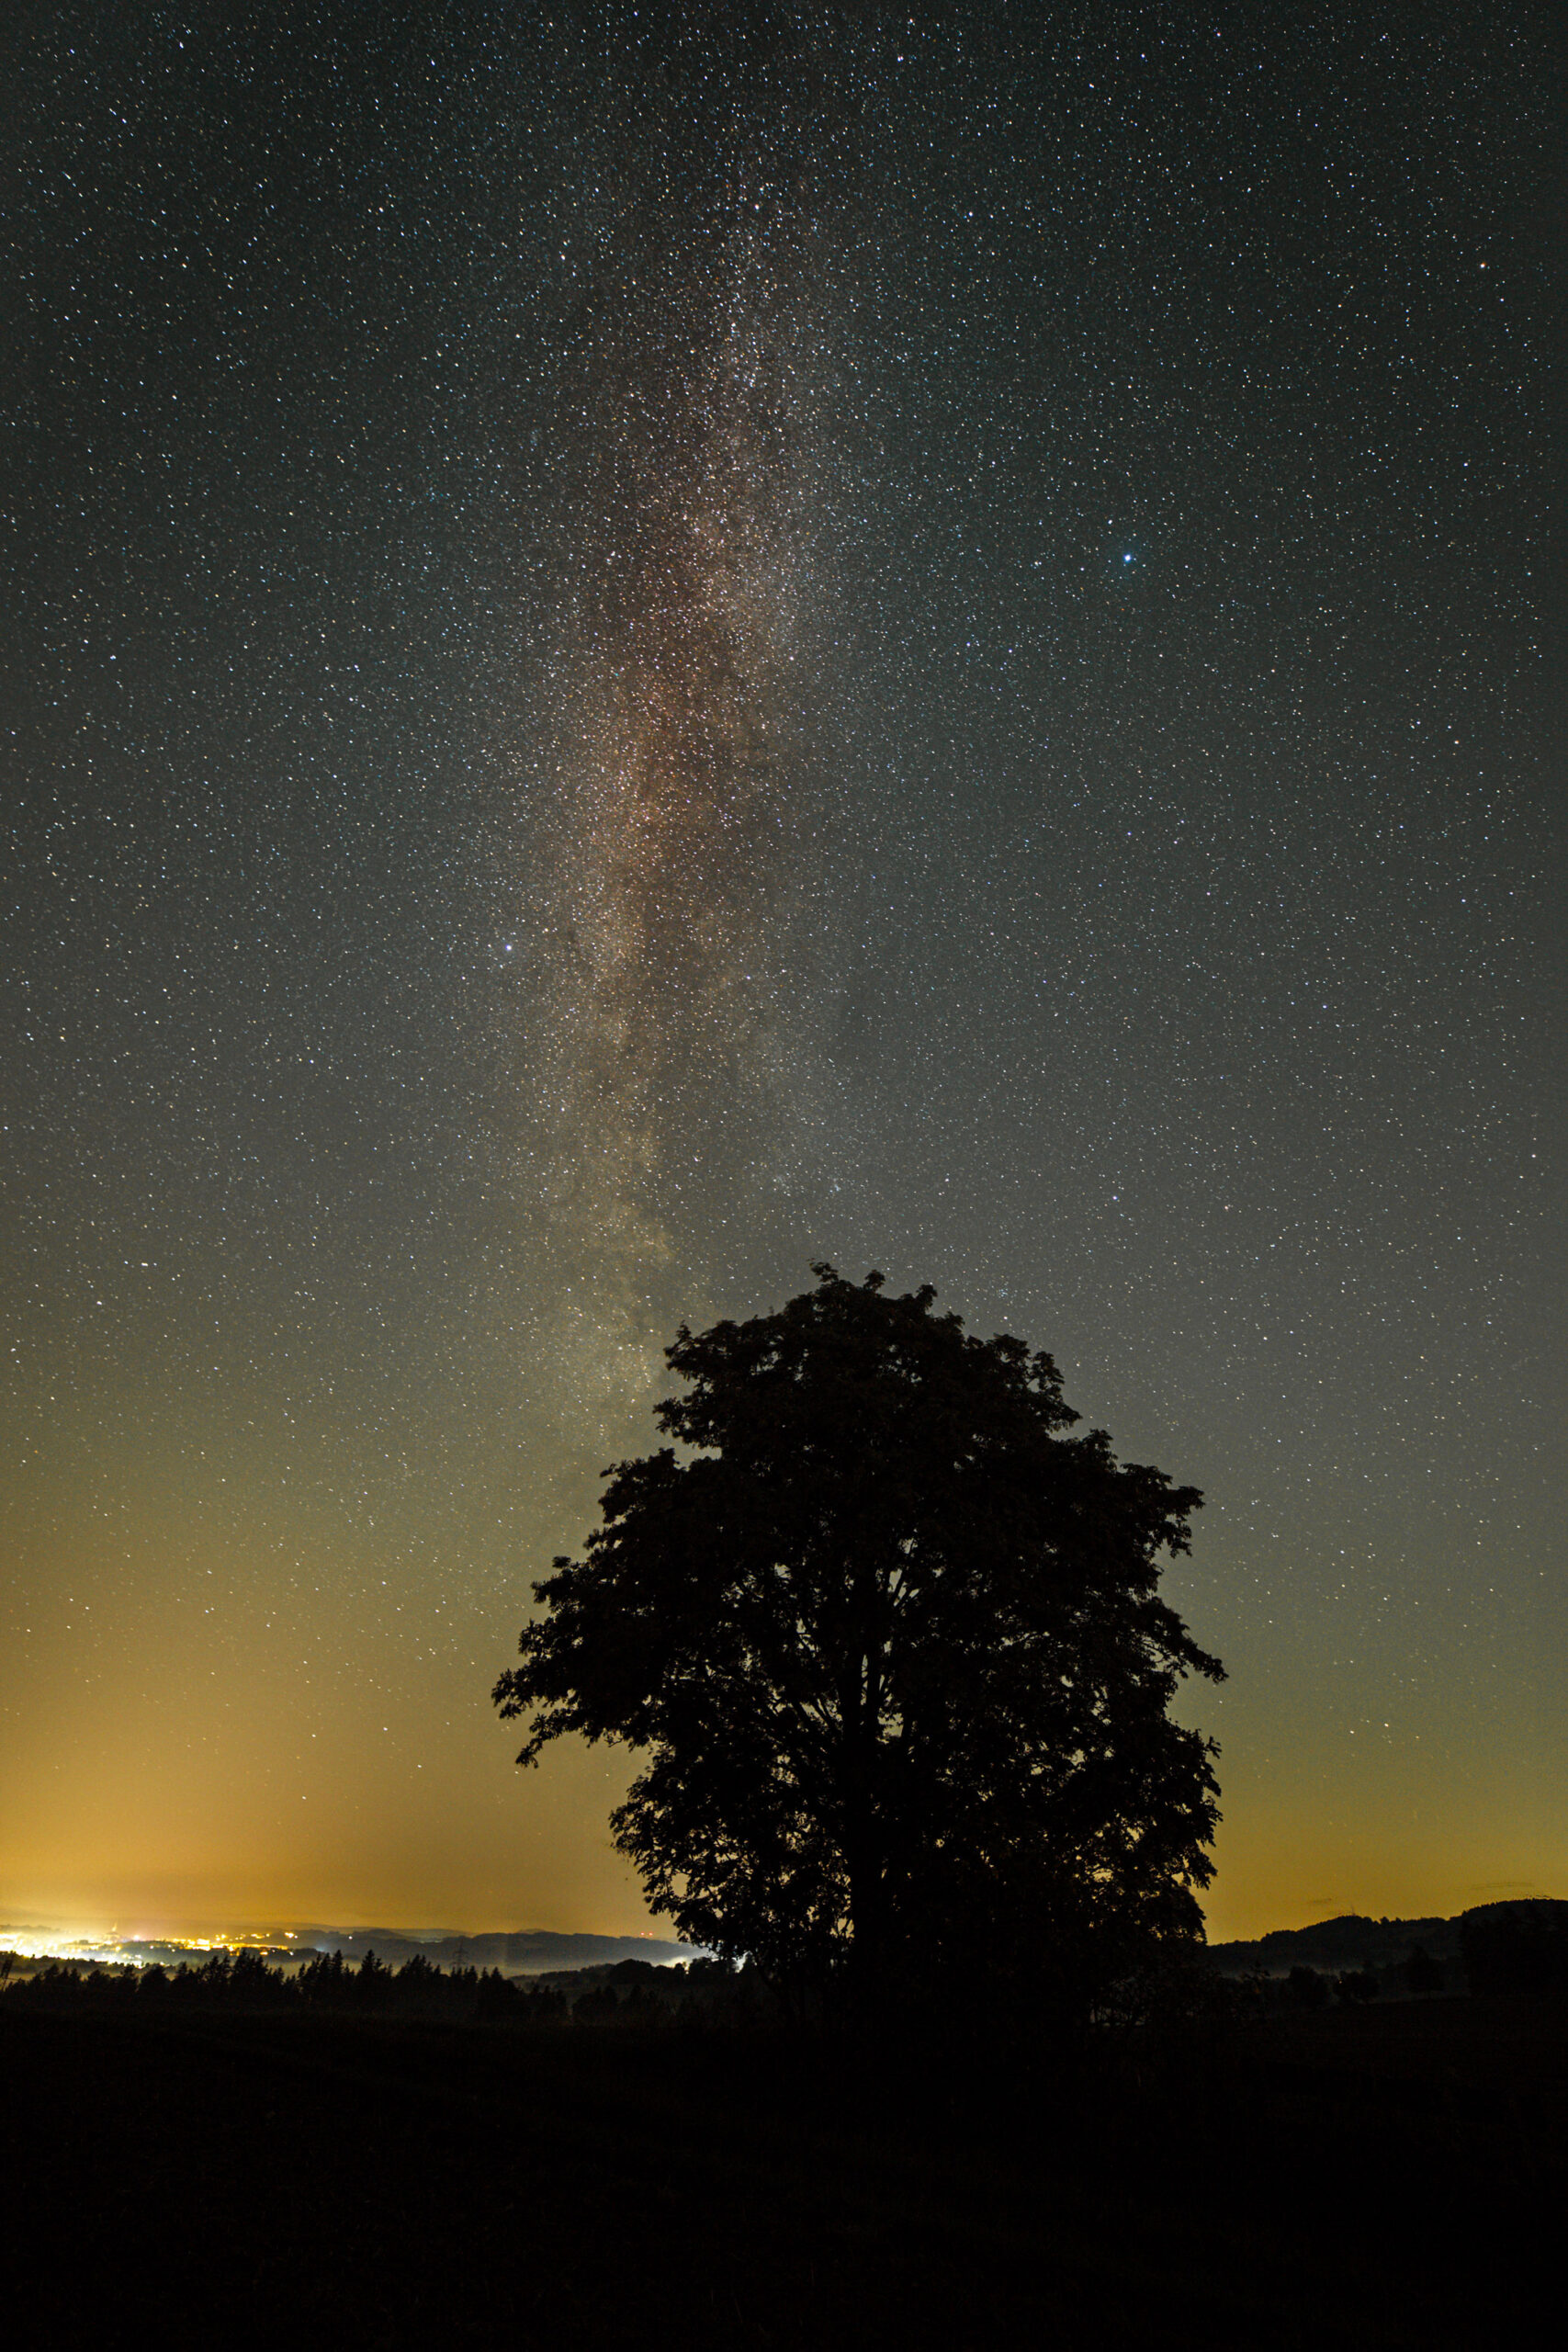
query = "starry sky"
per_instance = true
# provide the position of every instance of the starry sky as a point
(646, 645)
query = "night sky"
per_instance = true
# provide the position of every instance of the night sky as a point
(641, 647)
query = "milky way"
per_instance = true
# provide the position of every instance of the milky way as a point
(684, 790)
(668, 1054)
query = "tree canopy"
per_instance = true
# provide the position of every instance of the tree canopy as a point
(888, 1637)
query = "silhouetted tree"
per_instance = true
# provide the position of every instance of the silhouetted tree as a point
(1305, 1989)
(1356, 1986)
(891, 1641)
(253, 1984)
(373, 1983)
(419, 1989)
(1421, 1973)
(325, 1982)
(1515, 1947)
(498, 1998)
(544, 2005)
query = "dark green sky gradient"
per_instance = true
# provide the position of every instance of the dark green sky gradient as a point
(1143, 926)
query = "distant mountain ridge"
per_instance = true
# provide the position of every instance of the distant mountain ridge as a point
(533, 1951)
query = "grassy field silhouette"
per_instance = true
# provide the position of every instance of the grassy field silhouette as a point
(1386, 2175)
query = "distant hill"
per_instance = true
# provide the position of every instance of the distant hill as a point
(529, 1952)
(1349, 1941)
(1538, 1927)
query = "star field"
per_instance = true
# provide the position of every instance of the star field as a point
(645, 646)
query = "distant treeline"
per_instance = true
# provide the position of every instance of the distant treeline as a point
(1497, 1947)
(631, 1991)
(517, 1952)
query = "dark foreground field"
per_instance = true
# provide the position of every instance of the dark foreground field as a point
(1392, 2176)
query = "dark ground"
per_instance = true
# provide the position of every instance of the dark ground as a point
(1392, 2176)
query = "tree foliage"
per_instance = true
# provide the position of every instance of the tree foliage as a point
(889, 1640)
